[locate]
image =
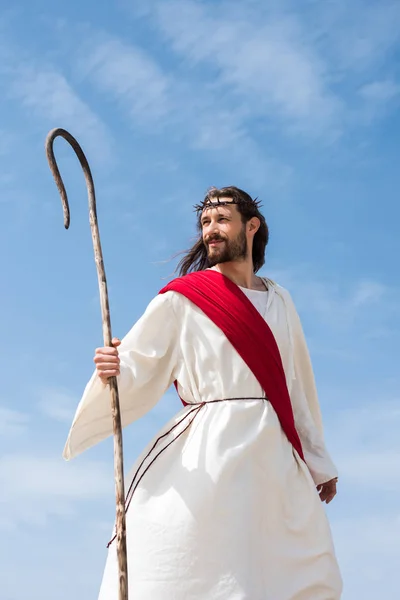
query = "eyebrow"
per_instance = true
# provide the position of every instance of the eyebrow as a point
(220, 214)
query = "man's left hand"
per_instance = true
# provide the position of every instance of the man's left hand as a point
(327, 491)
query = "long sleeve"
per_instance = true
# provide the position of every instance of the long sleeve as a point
(149, 357)
(306, 409)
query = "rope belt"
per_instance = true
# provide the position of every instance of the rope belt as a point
(195, 410)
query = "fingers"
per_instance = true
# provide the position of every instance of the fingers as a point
(110, 349)
(106, 358)
(107, 350)
(105, 371)
(107, 361)
(323, 490)
(106, 375)
(329, 496)
(327, 491)
(108, 366)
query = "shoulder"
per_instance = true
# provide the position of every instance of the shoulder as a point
(169, 301)
(279, 289)
(160, 303)
(285, 296)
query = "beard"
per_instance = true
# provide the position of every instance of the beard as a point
(229, 251)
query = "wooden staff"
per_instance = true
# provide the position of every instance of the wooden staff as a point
(105, 313)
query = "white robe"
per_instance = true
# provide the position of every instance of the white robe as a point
(228, 511)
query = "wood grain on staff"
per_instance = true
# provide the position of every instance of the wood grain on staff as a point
(105, 312)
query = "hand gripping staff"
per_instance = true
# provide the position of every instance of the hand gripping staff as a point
(105, 312)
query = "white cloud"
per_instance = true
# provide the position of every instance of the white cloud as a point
(7, 140)
(34, 488)
(56, 404)
(380, 91)
(337, 303)
(367, 292)
(369, 553)
(46, 476)
(365, 518)
(130, 75)
(366, 445)
(299, 67)
(266, 62)
(373, 470)
(379, 97)
(12, 422)
(361, 34)
(48, 94)
(159, 101)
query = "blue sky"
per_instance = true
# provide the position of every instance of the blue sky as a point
(297, 103)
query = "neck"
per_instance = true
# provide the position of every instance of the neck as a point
(240, 273)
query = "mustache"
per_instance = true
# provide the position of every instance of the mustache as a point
(214, 238)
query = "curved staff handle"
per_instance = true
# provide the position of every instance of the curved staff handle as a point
(105, 313)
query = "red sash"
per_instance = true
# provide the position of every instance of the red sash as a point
(230, 309)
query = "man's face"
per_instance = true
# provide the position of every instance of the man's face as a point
(224, 234)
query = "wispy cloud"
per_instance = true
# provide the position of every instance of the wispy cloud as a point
(368, 551)
(56, 404)
(12, 422)
(46, 92)
(365, 517)
(367, 292)
(366, 445)
(360, 35)
(38, 96)
(159, 101)
(37, 487)
(380, 91)
(336, 303)
(130, 75)
(264, 62)
(300, 67)
(379, 97)
(7, 140)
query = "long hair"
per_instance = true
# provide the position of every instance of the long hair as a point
(196, 258)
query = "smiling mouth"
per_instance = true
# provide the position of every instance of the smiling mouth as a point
(215, 242)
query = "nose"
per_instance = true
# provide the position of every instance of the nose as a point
(212, 228)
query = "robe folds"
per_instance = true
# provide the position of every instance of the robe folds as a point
(229, 510)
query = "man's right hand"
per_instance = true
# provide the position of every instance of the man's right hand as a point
(107, 361)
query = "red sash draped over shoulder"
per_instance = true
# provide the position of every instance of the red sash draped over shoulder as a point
(232, 312)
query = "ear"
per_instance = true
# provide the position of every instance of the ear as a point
(253, 225)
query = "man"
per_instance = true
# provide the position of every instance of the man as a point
(226, 503)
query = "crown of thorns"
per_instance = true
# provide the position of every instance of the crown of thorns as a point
(213, 202)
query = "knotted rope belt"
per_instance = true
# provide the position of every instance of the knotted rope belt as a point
(195, 410)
